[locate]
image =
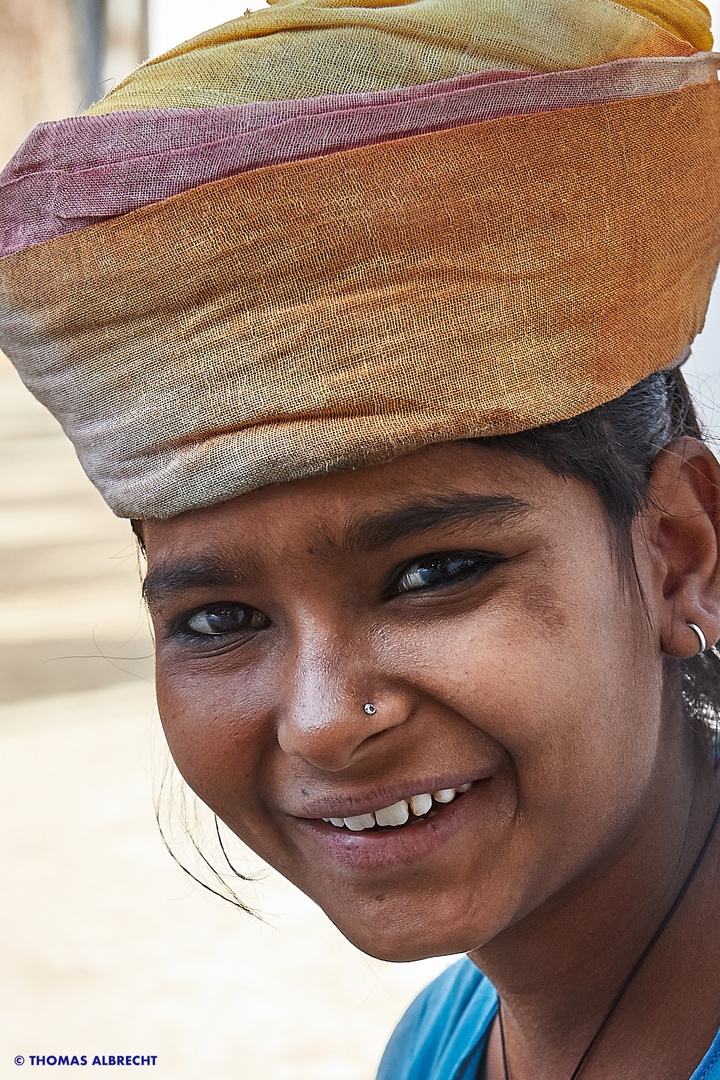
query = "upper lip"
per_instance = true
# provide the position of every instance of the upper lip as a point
(352, 804)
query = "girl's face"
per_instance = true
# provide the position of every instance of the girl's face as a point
(473, 599)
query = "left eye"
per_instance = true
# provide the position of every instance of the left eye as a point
(434, 570)
(217, 619)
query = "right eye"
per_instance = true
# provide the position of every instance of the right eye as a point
(217, 620)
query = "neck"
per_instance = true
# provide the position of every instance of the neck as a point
(558, 970)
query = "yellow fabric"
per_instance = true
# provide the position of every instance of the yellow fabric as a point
(305, 48)
(686, 19)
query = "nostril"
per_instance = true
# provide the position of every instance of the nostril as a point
(329, 718)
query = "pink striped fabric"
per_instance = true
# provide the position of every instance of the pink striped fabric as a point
(74, 173)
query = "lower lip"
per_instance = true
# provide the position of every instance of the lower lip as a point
(374, 850)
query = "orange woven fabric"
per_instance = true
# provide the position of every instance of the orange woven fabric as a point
(342, 310)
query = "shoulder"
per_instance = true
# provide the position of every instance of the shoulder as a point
(442, 1034)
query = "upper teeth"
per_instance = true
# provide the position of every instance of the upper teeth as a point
(399, 812)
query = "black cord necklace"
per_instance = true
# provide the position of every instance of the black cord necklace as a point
(638, 964)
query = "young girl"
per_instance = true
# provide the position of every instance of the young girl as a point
(370, 318)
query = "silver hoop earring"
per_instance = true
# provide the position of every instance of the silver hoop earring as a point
(369, 709)
(701, 637)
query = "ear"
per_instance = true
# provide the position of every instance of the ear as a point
(680, 528)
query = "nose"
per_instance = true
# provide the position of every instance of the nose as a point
(324, 718)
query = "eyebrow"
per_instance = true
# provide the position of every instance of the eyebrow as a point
(460, 508)
(201, 572)
(360, 536)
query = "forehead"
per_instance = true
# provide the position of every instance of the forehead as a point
(460, 495)
(459, 479)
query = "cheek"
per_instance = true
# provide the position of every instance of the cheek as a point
(574, 701)
(222, 740)
(213, 735)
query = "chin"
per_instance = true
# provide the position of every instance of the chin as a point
(391, 936)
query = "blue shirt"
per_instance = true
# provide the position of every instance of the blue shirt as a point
(444, 1033)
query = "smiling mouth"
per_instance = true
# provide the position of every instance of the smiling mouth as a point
(405, 812)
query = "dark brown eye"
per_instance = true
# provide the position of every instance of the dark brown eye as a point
(435, 570)
(218, 619)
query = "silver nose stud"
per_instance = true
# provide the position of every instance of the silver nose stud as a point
(369, 709)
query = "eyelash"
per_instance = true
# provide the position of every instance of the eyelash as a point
(181, 627)
(476, 564)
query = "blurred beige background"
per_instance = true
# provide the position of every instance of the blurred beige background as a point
(106, 946)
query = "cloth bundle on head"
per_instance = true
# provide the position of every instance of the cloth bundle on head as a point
(327, 233)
